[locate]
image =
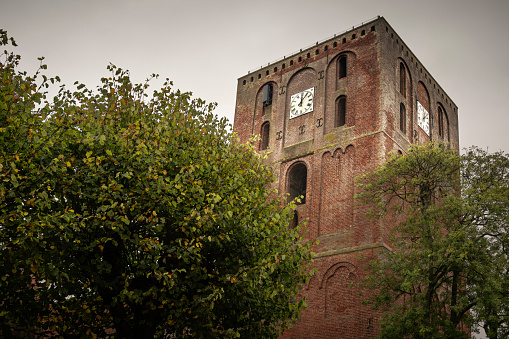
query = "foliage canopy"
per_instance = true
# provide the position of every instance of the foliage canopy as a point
(448, 263)
(138, 213)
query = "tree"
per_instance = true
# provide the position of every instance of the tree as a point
(447, 263)
(485, 195)
(138, 214)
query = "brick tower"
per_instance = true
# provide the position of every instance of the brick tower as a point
(325, 115)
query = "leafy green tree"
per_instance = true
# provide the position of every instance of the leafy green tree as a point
(139, 214)
(485, 198)
(447, 266)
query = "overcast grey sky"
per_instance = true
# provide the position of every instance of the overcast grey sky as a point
(205, 45)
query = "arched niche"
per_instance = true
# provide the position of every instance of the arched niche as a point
(298, 129)
(297, 181)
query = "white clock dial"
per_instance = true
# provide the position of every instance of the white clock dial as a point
(302, 103)
(296, 105)
(425, 124)
(422, 118)
(307, 100)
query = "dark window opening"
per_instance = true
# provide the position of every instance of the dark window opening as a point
(295, 220)
(344, 40)
(363, 32)
(251, 79)
(267, 95)
(275, 69)
(342, 67)
(300, 59)
(244, 82)
(440, 122)
(335, 44)
(372, 28)
(446, 128)
(291, 62)
(402, 118)
(308, 55)
(317, 51)
(283, 66)
(402, 79)
(297, 182)
(267, 72)
(353, 36)
(259, 76)
(264, 143)
(340, 112)
(326, 48)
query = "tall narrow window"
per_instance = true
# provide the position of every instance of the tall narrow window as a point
(297, 182)
(342, 67)
(440, 122)
(264, 143)
(402, 79)
(340, 112)
(402, 118)
(267, 95)
(295, 220)
(446, 127)
(445, 124)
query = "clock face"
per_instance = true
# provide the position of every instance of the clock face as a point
(302, 103)
(422, 118)
(307, 100)
(296, 105)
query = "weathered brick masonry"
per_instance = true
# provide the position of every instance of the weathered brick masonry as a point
(366, 85)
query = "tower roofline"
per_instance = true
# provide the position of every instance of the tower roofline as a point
(330, 38)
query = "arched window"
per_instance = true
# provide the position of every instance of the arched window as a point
(340, 111)
(295, 220)
(402, 79)
(267, 95)
(440, 122)
(402, 118)
(446, 127)
(342, 67)
(267, 98)
(297, 182)
(264, 143)
(442, 114)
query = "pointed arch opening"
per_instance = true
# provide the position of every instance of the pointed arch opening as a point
(295, 220)
(443, 124)
(265, 130)
(340, 119)
(402, 79)
(342, 67)
(297, 182)
(402, 118)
